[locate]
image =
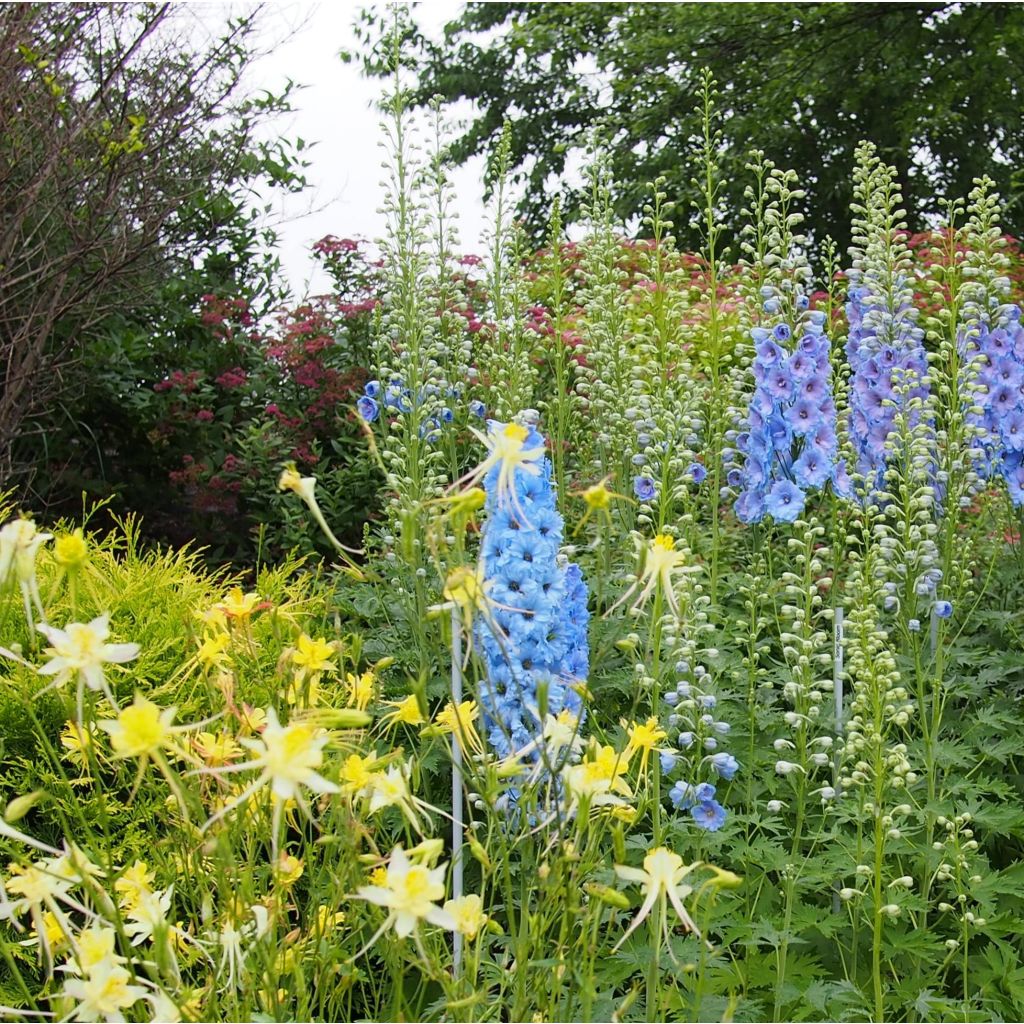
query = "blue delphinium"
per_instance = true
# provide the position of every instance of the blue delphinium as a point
(998, 361)
(696, 726)
(534, 640)
(700, 801)
(396, 398)
(889, 368)
(708, 814)
(789, 446)
(644, 488)
(725, 765)
(576, 664)
(368, 408)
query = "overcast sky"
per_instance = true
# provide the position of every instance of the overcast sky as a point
(336, 111)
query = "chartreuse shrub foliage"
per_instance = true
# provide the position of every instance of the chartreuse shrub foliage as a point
(678, 677)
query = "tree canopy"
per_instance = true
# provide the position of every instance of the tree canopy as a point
(936, 86)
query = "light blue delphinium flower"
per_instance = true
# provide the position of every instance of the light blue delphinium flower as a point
(784, 502)
(535, 644)
(725, 765)
(709, 815)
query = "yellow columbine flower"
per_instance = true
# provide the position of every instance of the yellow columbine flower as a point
(287, 758)
(409, 892)
(148, 916)
(327, 920)
(644, 738)
(78, 741)
(506, 450)
(252, 719)
(216, 749)
(468, 914)
(71, 551)
(661, 563)
(289, 869)
(356, 774)
(303, 692)
(20, 542)
(723, 879)
(213, 618)
(291, 480)
(238, 605)
(360, 689)
(390, 788)
(662, 878)
(53, 936)
(598, 778)
(95, 946)
(304, 487)
(407, 712)
(561, 731)
(598, 498)
(312, 656)
(213, 650)
(426, 851)
(464, 504)
(135, 882)
(460, 722)
(103, 994)
(466, 588)
(141, 729)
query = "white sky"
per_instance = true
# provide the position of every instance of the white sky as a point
(335, 110)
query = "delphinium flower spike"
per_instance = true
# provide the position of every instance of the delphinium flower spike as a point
(534, 642)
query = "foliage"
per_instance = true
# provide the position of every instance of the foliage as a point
(804, 83)
(130, 159)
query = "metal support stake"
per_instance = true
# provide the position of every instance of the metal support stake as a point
(457, 825)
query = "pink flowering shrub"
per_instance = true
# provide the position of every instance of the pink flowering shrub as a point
(266, 391)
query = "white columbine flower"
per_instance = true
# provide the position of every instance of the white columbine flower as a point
(80, 651)
(662, 878)
(236, 939)
(287, 757)
(148, 915)
(20, 542)
(410, 894)
(103, 994)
